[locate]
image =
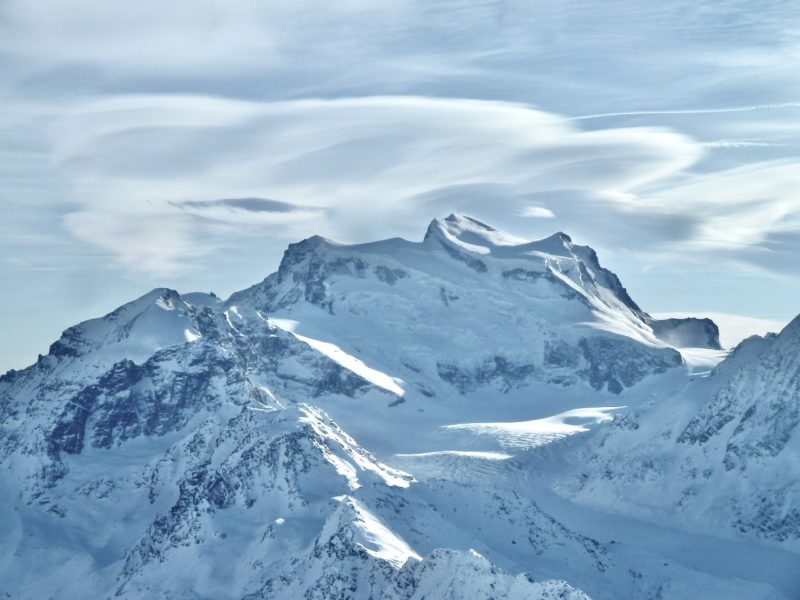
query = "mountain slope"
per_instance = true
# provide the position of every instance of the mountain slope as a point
(722, 453)
(118, 473)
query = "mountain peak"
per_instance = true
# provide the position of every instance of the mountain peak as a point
(312, 270)
(473, 235)
(557, 237)
(157, 319)
(469, 233)
(558, 244)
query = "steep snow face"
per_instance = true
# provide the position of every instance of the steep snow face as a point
(134, 331)
(578, 263)
(355, 365)
(341, 564)
(722, 454)
(374, 537)
(356, 457)
(468, 310)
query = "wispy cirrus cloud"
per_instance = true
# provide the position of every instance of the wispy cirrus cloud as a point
(249, 204)
(348, 166)
(689, 111)
(359, 168)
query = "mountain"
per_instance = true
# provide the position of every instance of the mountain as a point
(470, 307)
(379, 420)
(721, 454)
(123, 473)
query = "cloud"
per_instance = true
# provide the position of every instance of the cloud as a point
(689, 111)
(262, 211)
(574, 60)
(248, 204)
(140, 168)
(738, 144)
(737, 208)
(538, 212)
(356, 169)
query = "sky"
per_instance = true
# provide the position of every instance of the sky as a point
(185, 144)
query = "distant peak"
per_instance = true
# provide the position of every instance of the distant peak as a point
(314, 241)
(154, 295)
(789, 336)
(554, 244)
(564, 237)
(558, 236)
(463, 228)
(296, 253)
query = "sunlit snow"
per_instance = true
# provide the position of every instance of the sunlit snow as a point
(538, 432)
(377, 539)
(355, 365)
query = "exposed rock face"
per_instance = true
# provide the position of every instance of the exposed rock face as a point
(687, 333)
(618, 363)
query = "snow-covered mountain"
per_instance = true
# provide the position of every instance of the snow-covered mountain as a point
(470, 307)
(381, 420)
(721, 454)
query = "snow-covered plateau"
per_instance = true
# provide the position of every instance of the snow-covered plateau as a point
(470, 416)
